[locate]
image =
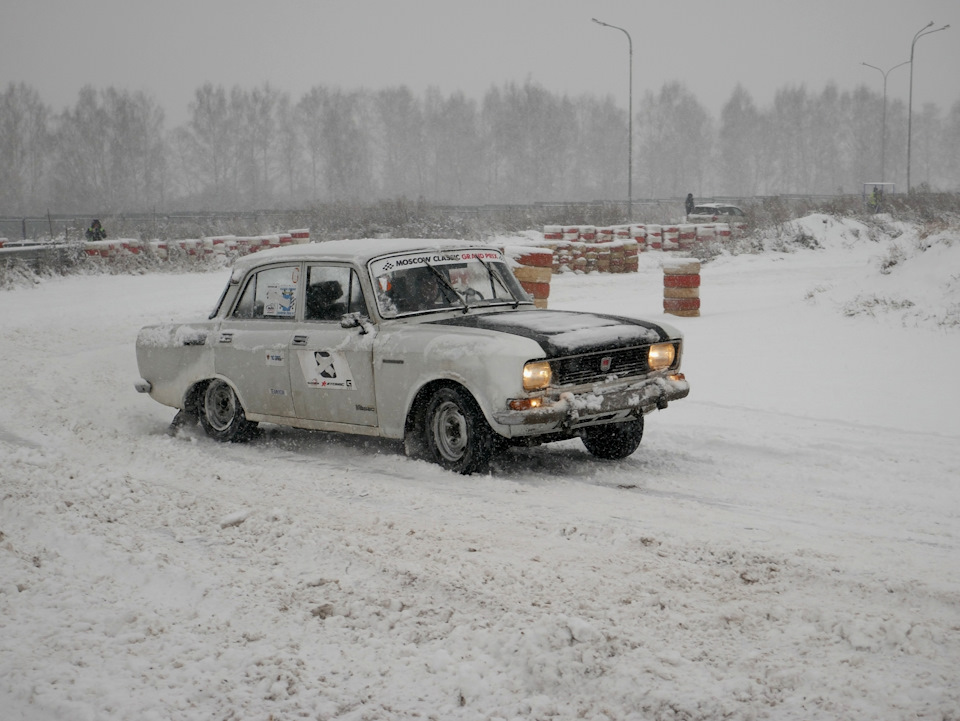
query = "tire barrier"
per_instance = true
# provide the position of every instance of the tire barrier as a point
(649, 237)
(681, 287)
(533, 267)
(670, 237)
(225, 245)
(552, 232)
(654, 237)
(706, 233)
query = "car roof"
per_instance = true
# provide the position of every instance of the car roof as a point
(359, 250)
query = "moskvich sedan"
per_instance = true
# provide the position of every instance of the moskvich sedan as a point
(434, 343)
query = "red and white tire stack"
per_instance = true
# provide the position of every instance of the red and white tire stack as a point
(670, 237)
(552, 233)
(688, 237)
(603, 258)
(706, 233)
(681, 287)
(631, 256)
(654, 237)
(639, 233)
(534, 269)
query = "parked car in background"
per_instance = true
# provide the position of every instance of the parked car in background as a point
(716, 212)
(434, 343)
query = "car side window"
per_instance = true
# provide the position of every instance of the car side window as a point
(270, 293)
(332, 291)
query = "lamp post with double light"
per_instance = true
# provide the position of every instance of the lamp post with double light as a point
(883, 130)
(920, 33)
(629, 120)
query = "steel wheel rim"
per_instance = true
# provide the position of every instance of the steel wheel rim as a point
(220, 405)
(450, 431)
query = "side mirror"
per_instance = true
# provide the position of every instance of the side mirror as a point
(355, 320)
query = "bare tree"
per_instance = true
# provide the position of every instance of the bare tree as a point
(211, 137)
(739, 148)
(309, 113)
(598, 149)
(109, 152)
(289, 148)
(24, 149)
(347, 146)
(675, 141)
(401, 143)
(530, 135)
(453, 149)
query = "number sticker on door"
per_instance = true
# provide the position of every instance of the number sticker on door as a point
(326, 369)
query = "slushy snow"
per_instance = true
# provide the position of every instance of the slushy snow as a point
(785, 544)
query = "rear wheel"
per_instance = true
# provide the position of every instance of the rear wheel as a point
(222, 416)
(614, 440)
(456, 434)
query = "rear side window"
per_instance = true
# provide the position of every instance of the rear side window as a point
(270, 293)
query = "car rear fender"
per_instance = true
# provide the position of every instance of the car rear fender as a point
(172, 358)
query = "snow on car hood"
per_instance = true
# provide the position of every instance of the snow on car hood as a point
(562, 333)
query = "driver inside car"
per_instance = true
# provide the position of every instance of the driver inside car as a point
(423, 291)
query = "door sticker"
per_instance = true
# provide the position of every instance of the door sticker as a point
(280, 301)
(326, 369)
(275, 358)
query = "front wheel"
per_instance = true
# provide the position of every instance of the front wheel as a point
(614, 440)
(222, 416)
(457, 435)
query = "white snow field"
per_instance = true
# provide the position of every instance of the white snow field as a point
(785, 544)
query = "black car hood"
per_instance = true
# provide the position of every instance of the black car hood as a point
(563, 333)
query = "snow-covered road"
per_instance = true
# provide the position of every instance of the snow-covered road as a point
(785, 544)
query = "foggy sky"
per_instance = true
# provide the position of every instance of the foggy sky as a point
(168, 48)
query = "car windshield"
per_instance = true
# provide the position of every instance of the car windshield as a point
(432, 281)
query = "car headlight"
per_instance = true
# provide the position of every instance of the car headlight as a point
(661, 356)
(536, 375)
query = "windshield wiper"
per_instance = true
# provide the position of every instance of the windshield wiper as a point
(496, 277)
(446, 284)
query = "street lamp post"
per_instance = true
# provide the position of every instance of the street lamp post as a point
(883, 131)
(629, 120)
(920, 33)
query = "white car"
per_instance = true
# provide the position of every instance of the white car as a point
(716, 212)
(431, 342)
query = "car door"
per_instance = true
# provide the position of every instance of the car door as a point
(252, 348)
(331, 367)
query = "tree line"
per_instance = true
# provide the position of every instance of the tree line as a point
(260, 148)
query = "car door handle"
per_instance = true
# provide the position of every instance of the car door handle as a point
(299, 340)
(226, 337)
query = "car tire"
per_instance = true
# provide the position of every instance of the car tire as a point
(614, 440)
(456, 435)
(222, 416)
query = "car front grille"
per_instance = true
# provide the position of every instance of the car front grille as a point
(599, 367)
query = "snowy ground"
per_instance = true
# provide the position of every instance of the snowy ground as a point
(784, 545)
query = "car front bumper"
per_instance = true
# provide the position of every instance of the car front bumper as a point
(595, 406)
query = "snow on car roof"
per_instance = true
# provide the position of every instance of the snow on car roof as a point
(358, 250)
